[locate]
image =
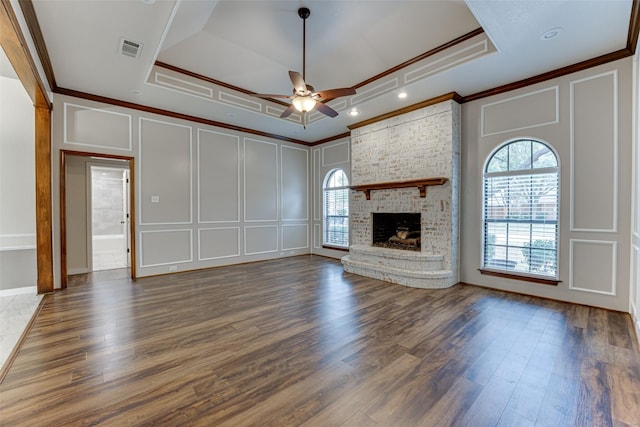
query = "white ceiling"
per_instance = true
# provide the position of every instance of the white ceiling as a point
(252, 44)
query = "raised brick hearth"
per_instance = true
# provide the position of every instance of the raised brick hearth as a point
(417, 145)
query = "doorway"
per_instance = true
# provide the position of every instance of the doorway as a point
(109, 208)
(97, 213)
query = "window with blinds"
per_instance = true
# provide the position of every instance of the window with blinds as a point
(336, 209)
(520, 216)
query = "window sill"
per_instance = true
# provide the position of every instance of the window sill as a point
(335, 248)
(540, 280)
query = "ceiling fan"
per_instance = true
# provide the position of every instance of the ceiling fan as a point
(305, 98)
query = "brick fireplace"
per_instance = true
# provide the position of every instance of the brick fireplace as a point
(407, 164)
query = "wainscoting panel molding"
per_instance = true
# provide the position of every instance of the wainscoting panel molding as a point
(260, 181)
(166, 173)
(594, 147)
(295, 236)
(93, 127)
(218, 177)
(542, 108)
(294, 183)
(165, 247)
(216, 243)
(592, 266)
(260, 239)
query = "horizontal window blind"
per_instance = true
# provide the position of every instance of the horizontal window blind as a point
(336, 210)
(521, 215)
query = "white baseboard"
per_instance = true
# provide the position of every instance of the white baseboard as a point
(19, 291)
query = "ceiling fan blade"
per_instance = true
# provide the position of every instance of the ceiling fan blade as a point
(298, 82)
(288, 111)
(325, 109)
(336, 93)
(266, 95)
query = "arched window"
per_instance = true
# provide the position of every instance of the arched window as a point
(336, 209)
(520, 215)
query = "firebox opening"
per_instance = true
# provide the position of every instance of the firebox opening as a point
(396, 231)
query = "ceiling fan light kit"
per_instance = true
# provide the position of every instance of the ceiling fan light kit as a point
(304, 98)
(303, 103)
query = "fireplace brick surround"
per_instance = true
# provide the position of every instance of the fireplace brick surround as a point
(421, 144)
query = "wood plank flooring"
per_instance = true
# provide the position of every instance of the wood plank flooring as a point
(298, 342)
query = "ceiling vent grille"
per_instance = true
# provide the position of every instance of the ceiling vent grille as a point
(130, 48)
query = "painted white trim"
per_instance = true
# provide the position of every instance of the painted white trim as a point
(557, 107)
(139, 173)
(317, 236)
(200, 258)
(374, 91)
(306, 246)
(484, 49)
(615, 172)
(19, 291)
(21, 242)
(306, 177)
(171, 262)
(244, 181)
(198, 166)
(265, 107)
(66, 141)
(260, 252)
(614, 251)
(314, 191)
(206, 93)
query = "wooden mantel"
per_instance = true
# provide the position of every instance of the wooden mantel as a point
(420, 184)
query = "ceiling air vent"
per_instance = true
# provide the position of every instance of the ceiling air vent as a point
(130, 48)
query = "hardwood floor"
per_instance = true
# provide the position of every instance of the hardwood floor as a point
(299, 342)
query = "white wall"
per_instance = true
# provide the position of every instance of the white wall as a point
(204, 196)
(586, 117)
(634, 303)
(17, 187)
(325, 158)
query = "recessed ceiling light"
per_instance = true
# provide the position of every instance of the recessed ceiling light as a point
(136, 92)
(402, 95)
(551, 34)
(354, 112)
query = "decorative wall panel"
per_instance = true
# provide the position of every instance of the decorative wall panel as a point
(97, 128)
(218, 177)
(525, 111)
(592, 266)
(594, 147)
(165, 171)
(165, 247)
(295, 236)
(260, 239)
(260, 181)
(215, 243)
(317, 236)
(294, 183)
(335, 154)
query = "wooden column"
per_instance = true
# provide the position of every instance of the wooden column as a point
(44, 211)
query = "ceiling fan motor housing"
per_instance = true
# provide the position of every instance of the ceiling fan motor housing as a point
(304, 12)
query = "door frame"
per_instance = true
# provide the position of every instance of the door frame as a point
(63, 208)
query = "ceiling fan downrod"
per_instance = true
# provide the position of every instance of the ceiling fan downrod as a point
(304, 13)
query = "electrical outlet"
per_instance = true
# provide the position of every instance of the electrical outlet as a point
(173, 268)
